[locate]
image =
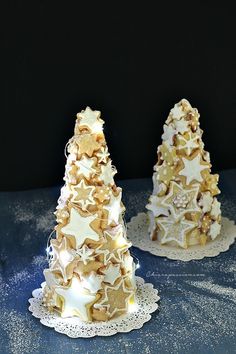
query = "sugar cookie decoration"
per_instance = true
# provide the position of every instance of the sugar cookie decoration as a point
(183, 209)
(88, 274)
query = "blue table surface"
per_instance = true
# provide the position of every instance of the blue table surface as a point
(197, 307)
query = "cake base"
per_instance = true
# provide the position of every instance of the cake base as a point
(137, 230)
(146, 303)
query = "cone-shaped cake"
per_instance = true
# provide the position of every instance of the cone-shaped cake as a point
(183, 209)
(91, 272)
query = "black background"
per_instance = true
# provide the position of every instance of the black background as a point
(132, 63)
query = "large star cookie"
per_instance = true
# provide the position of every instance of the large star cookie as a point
(87, 144)
(180, 200)
(80, 227)
(76, 301)
(192, 170)
(115, 299)
(91, 120)
(175, 230)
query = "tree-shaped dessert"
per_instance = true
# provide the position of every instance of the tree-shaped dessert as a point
(91, 272)
(183, 209)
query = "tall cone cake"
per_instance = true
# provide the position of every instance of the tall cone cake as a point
(183, 209)
(91, 272)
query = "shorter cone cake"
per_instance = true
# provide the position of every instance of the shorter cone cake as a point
(91, 271)
(183, 209)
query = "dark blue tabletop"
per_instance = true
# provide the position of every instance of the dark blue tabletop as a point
(197, 308)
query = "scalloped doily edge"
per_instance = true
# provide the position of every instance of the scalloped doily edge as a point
(166, 251)
(118, 320)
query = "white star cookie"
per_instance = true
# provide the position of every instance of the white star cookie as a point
(189, 143)
(86, 254)
(181, 201)
(75, 300)
(85, 167)
(155, 205)
(192, 169)
(115, 245)
(91, 119)
(103, 154)
(175, 231)
(215, 210)
(107, 173)
(206, 202)
(168, 134)
(181, 126)
(79, 227)
(112, 273)
(177, 112)
(114, 208)
(92, 282)
(214, 230)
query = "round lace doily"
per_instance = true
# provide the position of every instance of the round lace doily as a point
(146, 303)
(137, 230)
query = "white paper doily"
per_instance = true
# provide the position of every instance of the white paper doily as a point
(146, 299)
(137, 230)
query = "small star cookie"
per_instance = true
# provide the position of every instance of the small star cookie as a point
(103, 154)
(206, 201)
(85, 254)
(107, 173)
(188, 142)
(168, 153)
(83, 195)
(210, 184)
(215, 210)
(102, 193)
(169, 133)
(214, 230)
(86, 167)
(165, 173)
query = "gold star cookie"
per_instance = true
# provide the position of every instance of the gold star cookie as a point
(83, 195)
(115, 299)
(87, 144)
